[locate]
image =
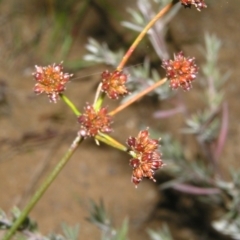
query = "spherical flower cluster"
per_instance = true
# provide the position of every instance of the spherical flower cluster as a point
(113, 84)
(92, 121)
(51, 80)
(147, 159)
(181, 71)
(199, 4)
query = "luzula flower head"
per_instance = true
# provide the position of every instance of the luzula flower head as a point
(113, 84)
(51, 80)
(181, 71)
(147, 159)
(92, 121)
(199, 4)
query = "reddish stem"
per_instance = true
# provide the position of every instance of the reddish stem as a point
(138, 96)
(141, 35)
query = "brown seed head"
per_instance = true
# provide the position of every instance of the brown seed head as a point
(181, 71)
(199, 4)
(51, 80)
(147, 158)
(92, 121)
(113, 84)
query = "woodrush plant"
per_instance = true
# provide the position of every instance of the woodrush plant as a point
(95, 119)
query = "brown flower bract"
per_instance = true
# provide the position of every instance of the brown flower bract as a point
(199, 4)
(113, 84)
(181, 71)
(147, 159)
(92, 121)
(51, 80)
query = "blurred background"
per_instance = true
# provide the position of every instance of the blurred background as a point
(200, 133)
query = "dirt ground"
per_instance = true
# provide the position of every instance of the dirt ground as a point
(35, 134)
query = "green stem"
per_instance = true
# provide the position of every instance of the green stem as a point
(99, 97)
(70, 104)
(99, 101)
(111, 142)
(39, 193)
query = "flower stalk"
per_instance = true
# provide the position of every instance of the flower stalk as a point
(141, 36)
(70, 104)
(138, 96)
(111, 142)
(42, 189)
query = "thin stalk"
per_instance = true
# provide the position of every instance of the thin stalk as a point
(141, 35)
(99, 97)
(111, 142)
(70, 104)
(138, 96)
(42, 189)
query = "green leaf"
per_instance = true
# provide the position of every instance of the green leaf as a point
(71, 233)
